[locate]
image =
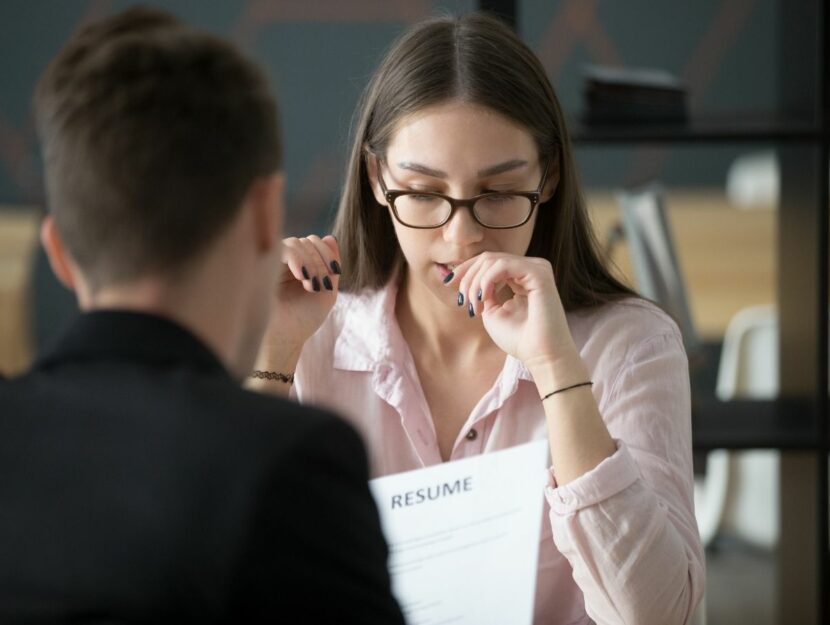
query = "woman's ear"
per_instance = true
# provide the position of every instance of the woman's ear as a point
(372, 171)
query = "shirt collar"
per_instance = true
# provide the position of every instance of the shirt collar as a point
(370, 335)
(129, 335)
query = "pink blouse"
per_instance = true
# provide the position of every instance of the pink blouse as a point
(620, 543)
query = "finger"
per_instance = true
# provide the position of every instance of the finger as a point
(334, 248)
(295, 258)
(468, 288)
(460, 279)
(476, 290)
(328, 277)
(453, 278)
(511, 270)
(459, 271)
(328, 250)
(315, 265)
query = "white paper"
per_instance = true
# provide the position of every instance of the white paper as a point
(464, 537)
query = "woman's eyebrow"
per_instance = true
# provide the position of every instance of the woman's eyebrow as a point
(423, 169)
(501, 168)
(493, 170)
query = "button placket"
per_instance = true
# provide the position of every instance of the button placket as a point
(493, 402)
(416, 423)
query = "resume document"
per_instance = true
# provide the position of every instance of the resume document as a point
(464, 536)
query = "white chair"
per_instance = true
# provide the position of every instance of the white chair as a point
(753, 181)
(749, 370)
(710, 495)
(656, 268)
(740, 491)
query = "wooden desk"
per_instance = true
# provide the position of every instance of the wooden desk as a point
(18, 237)
(727, 255)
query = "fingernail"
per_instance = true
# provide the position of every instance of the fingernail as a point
(460, 298)
(449, 277)
(335, 267)
(470, 310)
(305, 273)
(327, 283)
(315, 283)
(479, 295)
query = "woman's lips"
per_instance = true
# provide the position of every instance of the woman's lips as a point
(446, 268)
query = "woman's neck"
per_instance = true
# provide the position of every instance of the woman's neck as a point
(431, 327)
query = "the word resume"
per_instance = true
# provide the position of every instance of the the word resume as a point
(464, 536)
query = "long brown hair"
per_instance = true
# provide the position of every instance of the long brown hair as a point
(475, 59)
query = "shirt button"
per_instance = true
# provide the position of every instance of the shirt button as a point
(472, 434)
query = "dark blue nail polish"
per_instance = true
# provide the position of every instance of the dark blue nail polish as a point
(460, 298)
(449, 277)
(470, 310)
(305, 273)
(327, 283)
(479, 295)
(315, 284)
(335, 267)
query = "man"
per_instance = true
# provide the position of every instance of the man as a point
(139, 482)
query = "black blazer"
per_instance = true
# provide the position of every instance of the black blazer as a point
(140, 483)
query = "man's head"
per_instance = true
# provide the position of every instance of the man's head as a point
(156, 138)
(152, 134)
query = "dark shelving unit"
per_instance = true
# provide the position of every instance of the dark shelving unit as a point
(737, 129)
(796, 424)
(784, 424)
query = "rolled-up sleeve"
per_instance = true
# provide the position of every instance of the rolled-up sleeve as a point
(627, 527)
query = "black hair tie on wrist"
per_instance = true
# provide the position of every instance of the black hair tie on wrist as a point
(567, 388)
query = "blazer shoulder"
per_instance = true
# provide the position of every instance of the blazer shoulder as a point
(303, 425)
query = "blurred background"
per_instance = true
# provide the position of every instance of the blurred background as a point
(721, 217)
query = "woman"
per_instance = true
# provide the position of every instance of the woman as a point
(476, 314)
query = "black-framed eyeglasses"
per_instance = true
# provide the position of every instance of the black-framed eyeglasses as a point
(494, 209)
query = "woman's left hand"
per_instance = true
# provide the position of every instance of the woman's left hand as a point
(518, 302)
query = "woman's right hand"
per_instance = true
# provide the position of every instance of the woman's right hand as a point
(307, 292)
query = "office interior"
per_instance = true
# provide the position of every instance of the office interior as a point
(721, 218)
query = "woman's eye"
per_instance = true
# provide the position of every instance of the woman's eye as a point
(499, 198)
(417, 197)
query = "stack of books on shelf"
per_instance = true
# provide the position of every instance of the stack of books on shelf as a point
(633, 96)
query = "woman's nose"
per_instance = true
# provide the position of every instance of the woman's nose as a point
(462, 229)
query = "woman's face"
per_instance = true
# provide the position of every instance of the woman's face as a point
(460, 150)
